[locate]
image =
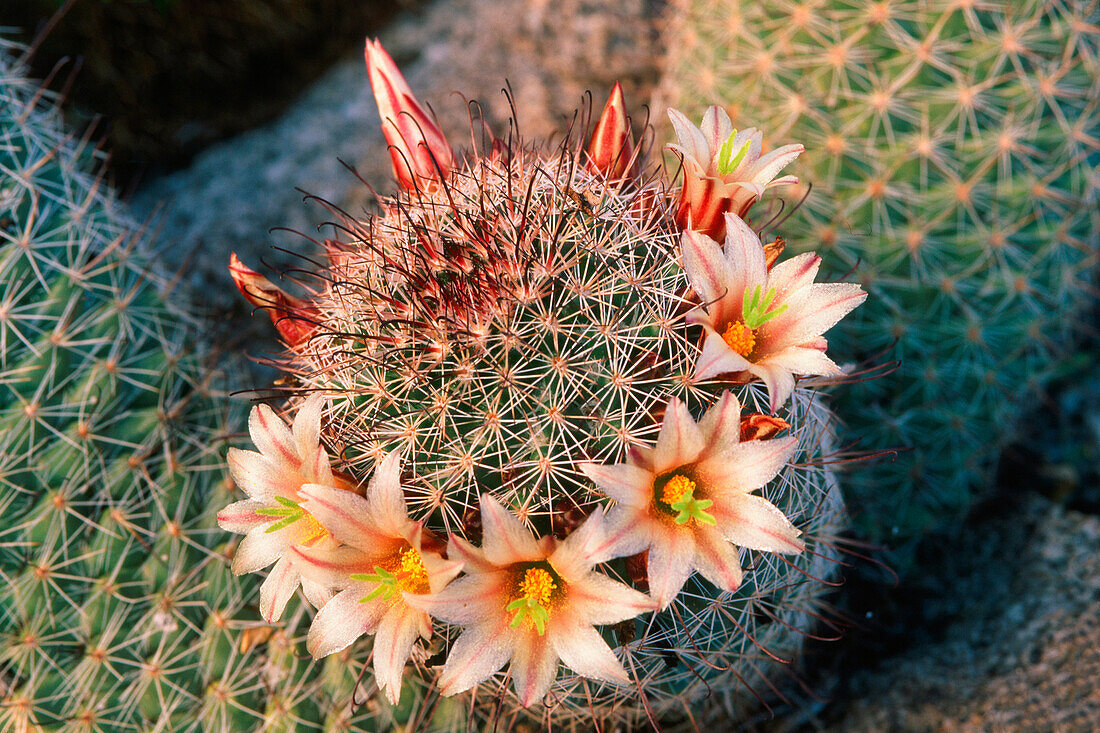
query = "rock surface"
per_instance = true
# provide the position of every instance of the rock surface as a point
(1013, 642)
(238, 190)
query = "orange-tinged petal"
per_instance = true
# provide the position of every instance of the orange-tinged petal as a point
(333, 566)
(679, 441)
(257, 550)
(628, 531)
(670, 563)
(716, 559)
(746, 466)
(469, 600)
(504, 539)
(712, 278)
(754, 522)
(343, 620)
(534, 666)
(626, 483)
(721, 426)
(277, 589)
(317, 595)
(597, 599)
(584, 651)
(241, 516)
(385, 498)
(717, 358)
(346, 515)
(393, 643)
(610, 151)
(476, 655)
(274, 439)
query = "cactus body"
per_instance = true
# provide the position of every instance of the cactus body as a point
(952, 150)
(502, 327)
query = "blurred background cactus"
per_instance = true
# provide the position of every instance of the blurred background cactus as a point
(116, 607)
(952, 151)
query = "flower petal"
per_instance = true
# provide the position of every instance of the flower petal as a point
(440, 572)
(803, 361)
(597, 599)
(790, 276)
(341, 621)
(670, 563)
(504, 539)
(712, 278)
(767, 166)
(584, 651)
(470, 599)
(779, 381)
(346, 515)
(692, 141)
(716, 129)
(333, 567)
(317, 594)
(745, 467)
(718, 358)
(721, 426)
(534, 666)
(716, 559)
(259, 477)
(241, 516)
(679, 441)
(745, 253)
(627, 531)
(754, 522)
(273, 437)
(393, 643)
(277, 589)
(811, 311)
(626, 483)
(574, 556)
(385, 497)
(257, 550)
(478, 653)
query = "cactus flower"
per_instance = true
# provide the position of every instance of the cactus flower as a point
(611, 149)
(724, 171)
(384, 556)
(531, 601)
(760, 322)
(419, 151)
(688, 500)
(293, 317)
(272, 518)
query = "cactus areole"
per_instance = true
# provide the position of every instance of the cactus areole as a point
(495, 459)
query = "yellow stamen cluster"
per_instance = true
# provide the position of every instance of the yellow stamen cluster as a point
(676, 489)
(411, 570)
(537, 585)
(740, 338)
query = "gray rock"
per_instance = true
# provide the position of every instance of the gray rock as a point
(1022, 652)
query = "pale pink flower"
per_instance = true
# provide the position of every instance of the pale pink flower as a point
(760, 322)
(270, 518)
(532, 601)
(724, 171)
(688, 500)
(385, 557)
(419, 151)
